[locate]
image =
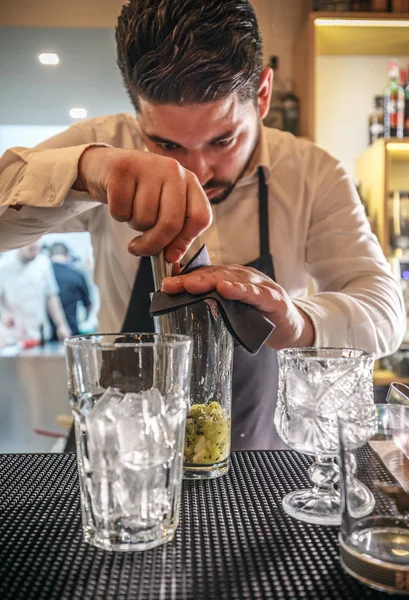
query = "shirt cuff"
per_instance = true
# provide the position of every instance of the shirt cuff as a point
(48, 176)
(328, 320)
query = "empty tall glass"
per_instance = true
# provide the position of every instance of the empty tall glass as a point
(129, 395)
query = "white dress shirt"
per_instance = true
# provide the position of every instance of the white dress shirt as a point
(24, 291)
(317, 228)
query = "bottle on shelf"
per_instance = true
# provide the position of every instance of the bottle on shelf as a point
(275, 116)
(332, 5)
(394, 106)
(376, 121)
(361, 5)
(291, 108)
(398, 213)
(400, 6)
(402, 78)
(379, 6)
(406, 92)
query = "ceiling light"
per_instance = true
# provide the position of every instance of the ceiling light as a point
(360, 23)
(78, 113)
(48, 58)
(397, 147)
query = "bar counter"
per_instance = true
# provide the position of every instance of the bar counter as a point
(234, 541)
(33, 390)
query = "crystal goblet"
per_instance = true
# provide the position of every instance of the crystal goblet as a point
(315, 386)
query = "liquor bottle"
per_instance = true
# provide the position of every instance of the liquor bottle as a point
(394, 104)
(379, 6)
(275, 116)
(406, 92)
(376, 121)
(400, 6)
(332, 5)
(361, 5)
(291, 106)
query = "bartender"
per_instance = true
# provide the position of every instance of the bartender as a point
(195, 165)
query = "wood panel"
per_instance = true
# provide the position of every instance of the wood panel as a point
(304, 78)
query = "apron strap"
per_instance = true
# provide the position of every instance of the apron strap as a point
(137, 317)
(263, 213)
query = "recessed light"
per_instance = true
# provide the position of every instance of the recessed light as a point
(78, 113)
(48, 58)
(360, 23)
(397, 147)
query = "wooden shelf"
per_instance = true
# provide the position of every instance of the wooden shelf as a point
(345, 33)
(362, 33)
(398, 150)
(382, 168)
(370, 16)
(382, 377)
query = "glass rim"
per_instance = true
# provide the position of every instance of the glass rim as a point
(397, 385)
(95, 340)
(303, 351)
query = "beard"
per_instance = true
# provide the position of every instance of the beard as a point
(228, 186)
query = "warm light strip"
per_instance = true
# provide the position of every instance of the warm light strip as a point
(360, 23)
(398, 147)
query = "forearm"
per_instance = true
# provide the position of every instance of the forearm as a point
(368, 313)
(39, 178)
(56, 311)
(36, 193)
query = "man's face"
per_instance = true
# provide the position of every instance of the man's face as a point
(215, 141)
(29, 253)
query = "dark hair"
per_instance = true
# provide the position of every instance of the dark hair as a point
(189, 51)
(59, 248)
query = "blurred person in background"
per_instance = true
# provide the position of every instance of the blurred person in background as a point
(72, 285)
(28, 290)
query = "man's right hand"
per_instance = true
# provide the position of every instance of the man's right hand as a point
(155, 194)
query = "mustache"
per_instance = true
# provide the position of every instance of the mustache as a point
(214, 185)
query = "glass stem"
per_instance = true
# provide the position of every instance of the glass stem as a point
(324, 474)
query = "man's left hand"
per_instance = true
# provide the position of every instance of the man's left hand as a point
(294, 328)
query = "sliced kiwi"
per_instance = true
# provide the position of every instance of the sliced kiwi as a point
(207, 439)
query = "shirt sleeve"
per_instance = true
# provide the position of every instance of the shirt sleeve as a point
(358, 298)
(2, 280)
(39, 179)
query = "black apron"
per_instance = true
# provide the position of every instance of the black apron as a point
(255, 377)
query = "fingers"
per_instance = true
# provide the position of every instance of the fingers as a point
(117, 196)
(168, 214)
(176, 268)
(233, 282)
(265, 298)
(197, 218)
(207, 279)
(200, 281)
(155, 194)
(145, 209)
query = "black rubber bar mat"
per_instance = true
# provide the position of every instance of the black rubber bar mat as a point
(233, 541)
